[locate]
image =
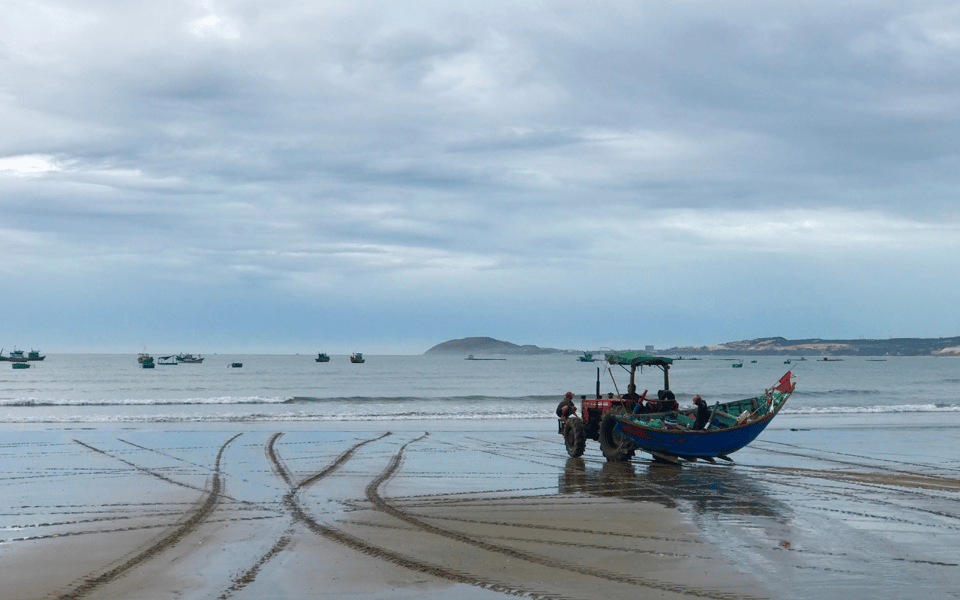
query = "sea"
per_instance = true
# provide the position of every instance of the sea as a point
(113, 388)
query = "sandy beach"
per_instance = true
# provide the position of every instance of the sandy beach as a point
(356, 511)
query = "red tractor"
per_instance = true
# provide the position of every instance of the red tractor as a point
(596, 421)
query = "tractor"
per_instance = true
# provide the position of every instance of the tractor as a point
(596, 420)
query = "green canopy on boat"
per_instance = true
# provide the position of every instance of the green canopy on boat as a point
(636, 359)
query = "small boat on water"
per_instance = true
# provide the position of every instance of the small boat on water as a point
(356, 357)
(189, 358)
(144, 357)
(236, 365)
(587, 357)
(21, 365)
(322, 357)
(670, 433)
(34, 355)
(471, 357)
(738, 365)
(148, 364)
(167, 360)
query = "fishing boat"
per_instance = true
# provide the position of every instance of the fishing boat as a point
(147, 364)
(21, 365)
(34, 355)
(15, 356)
(167, 360)
(624, 426)
(144, 357)
(587, 357)
(471, 357)
(738, 365)
(322, 357)
(356, 357)
(189, 358)
(236, 365)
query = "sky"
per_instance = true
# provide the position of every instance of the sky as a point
(312, 176)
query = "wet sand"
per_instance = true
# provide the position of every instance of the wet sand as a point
(463, 510)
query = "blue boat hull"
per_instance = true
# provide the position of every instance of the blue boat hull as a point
(687, 442)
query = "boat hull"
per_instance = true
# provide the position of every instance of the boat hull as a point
(707, 443)
(701, 444)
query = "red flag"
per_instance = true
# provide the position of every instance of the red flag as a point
(783, 385)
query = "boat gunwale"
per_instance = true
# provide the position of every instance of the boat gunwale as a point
(624, 420)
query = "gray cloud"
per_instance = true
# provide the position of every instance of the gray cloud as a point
(479, 160)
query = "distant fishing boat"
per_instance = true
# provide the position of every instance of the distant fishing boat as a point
(236, 365)
(737, 365)
(144, 357)
(15, 356)
(167, 360)
(356, 357)
(34, 355)
(189, 358)
(21, 365)
(472, 358)
(148, 364)
(587, 357)
(322, 357)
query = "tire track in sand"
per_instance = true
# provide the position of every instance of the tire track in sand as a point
(373, 495)
(250, 575)
(291, 501)
(196, 518)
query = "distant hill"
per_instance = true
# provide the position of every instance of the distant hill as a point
(777, 346)
(818, 347)
(487, 345)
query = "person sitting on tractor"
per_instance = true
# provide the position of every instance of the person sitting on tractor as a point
(566, 408)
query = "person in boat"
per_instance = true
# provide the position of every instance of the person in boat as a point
(668, 401)
(631, 398)
(703, 413)
(566, 408)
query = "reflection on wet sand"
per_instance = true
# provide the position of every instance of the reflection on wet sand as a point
(705, 490)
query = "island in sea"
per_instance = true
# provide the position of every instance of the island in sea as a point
(488, 345)
(771, 346)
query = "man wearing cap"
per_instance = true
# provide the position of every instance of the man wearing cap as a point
(566, 408)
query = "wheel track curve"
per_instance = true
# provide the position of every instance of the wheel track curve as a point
(292, 503)
(373, 495)
(196, 518)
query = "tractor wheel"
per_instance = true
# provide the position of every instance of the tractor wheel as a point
(616, 447)
(574, 437)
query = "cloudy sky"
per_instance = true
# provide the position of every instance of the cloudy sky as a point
(311, 176)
